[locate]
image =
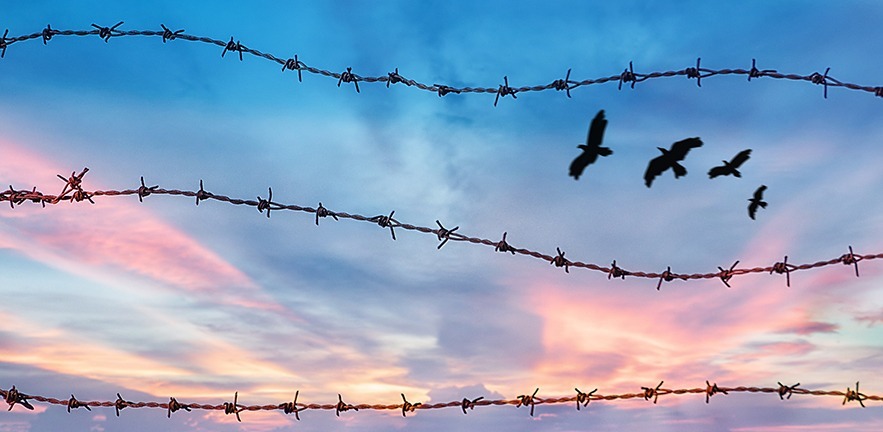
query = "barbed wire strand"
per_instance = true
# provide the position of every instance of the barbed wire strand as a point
(73, 192)
(627, 76)
(13, 397)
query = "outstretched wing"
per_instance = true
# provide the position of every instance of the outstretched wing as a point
(758, 194)
(596, 130)
(752, 209)
(655, 168)
(717, 171)
(680, 149)
(579, 164)
(740, 158)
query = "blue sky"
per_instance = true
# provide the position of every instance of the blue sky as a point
(164, 298)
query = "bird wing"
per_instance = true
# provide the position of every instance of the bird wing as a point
(717, 171)
(740, 158)
(758, 194)
(655, 168)
(596, 130)
(579, 164)
(752, 209)
(680, 149)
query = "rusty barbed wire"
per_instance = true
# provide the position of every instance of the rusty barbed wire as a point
(13, 397)
(73, 191)
(627, 76)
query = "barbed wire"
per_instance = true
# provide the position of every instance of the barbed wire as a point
(582, 399)
(73, 191)
(627, 76)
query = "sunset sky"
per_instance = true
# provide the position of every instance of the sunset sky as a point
(168, 299)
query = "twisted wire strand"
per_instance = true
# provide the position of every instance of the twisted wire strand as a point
(73, 192)
(13, 396)
(627, 76)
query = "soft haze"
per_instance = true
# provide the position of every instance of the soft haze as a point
(164, 298)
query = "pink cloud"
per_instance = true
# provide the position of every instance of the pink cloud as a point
(871, 319)
(810, 327)
(117, 236)
(619, 339)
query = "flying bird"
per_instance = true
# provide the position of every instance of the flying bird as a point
(592, 148)
(731, 167)
(670, 158)
(757, 200)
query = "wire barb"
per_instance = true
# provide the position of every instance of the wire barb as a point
(294, 64)
(617, 272)
(755, 73)
(47, 33)
(264, 204)
(201, 194)
(168, 35)
(560, 261)
(144, 191)
(726, 275)
(818, 78)
(470, 404)
(786, 390)
(855, 396)
(628, 75)
(583, 398)
(120, 403)
(784, 267)
(665, 276)
(394, 78)
(4, 42)
(106, 32)
(695, 72)
(174, 405)
(323, 212)
(231, 46)
(524, 400)
(74, 185)
(73, 403)
(234, 408)
(505, 90)
(386, 221)
(443, 90)
(851, 259)
(291, 407)
(653, 393)
(444, 234)
(564, 84)
(347, 77)
(408, 406)
(711, 390)
(13, 396)
(342, 407)
(504, 247)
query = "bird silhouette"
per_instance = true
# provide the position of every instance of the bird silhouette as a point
(756, 201)
(670, 158)
(592, 148)
(731, 167)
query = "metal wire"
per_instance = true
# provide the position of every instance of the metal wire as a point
(73, 192)
(13, 396)
(627, 76)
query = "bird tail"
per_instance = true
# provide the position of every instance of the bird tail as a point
(679, 170)
(762, 204)
(604, 151)
(737, 173)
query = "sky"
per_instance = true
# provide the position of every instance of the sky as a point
(168, 299)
